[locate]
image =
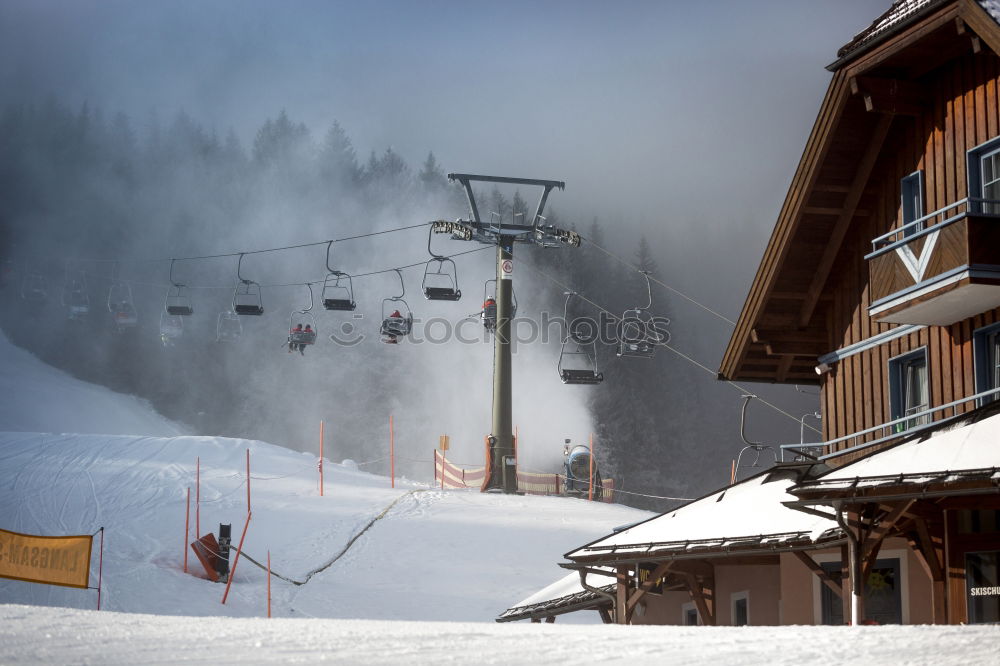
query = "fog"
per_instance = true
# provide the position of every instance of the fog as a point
(679, 123)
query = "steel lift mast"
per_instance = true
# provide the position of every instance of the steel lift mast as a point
(502, 472)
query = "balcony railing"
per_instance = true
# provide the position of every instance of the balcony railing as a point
(885, 432)
(928, 223)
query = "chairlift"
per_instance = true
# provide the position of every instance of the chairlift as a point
(489, 312)
(74, 296)
(397, 319)
(246, 296)
(120, 303)
(178, 301)
(578, 354)
(171, 328)
(302, 328)
(638, 332)
(34, 289)
(338, 288)
(754, 448)
(228, 327)
(440, 281)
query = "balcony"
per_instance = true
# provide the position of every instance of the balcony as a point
(940, 268)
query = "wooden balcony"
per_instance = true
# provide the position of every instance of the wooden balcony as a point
(939, 269)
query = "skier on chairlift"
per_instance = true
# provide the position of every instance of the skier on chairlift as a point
(490, 314)
(293, 346)
(390, 338)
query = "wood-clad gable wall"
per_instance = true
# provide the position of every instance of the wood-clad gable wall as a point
(963, 111)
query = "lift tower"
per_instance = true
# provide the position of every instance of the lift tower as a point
(500, 465)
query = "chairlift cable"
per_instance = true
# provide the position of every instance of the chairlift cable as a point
(740, 388)
(629, 264)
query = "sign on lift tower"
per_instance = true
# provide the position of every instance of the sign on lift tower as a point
(501, 470)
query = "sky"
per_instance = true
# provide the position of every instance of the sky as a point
(643, 108)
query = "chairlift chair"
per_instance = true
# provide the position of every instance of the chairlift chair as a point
(228, 327)
(305, 318)
(178, 302)
(396, 325)
(580, 351)
(440, 281)
(638, 332)
(338, 288)
(75, 300)
(121, 307)
(34, 289)
(171, 327)
(246, 297)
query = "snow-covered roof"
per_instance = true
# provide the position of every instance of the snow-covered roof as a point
(562, 596)
(901, 14)
(749, 514)
(965, 450)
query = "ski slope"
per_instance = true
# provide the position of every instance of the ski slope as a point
(426, 572)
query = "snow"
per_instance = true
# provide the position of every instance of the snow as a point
(43, 635)
(749, 509)
(459, 556)
(967, 447)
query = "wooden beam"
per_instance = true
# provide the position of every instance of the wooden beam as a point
(645, 587)
(929, 549)
(605, 615)
(702, 601)
(873, 540)
(806, 349)
(819, 572)
(980, 23)
(784, 367)
(861, 176)
(767, 335)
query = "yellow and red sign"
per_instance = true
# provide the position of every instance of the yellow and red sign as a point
(40, 559)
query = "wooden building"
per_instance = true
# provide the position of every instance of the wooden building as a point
(880, 284)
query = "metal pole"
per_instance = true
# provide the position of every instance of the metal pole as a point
(502, 441)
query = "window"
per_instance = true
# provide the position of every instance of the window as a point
(883, 602)
(986, 348)
(741, 609)
(689, 614)
(984, 178)
(913, 202)
(908, 388)
(982, 587)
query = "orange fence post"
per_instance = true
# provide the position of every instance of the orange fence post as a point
(248, 481)
(392, 453)
(444, 461)
(269, 583)
(590, 481)
(236, 560)
(320, 460)
(732, 474)
(197, 501)
(187, 528)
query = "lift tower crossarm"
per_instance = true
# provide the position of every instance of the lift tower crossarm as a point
(467, 179)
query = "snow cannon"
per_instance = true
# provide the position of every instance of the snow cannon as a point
(578, 471)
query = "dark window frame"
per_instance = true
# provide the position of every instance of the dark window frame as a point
(986, 360)
(911, 195)
(898, 388)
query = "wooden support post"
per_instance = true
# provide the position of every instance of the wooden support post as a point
(845, 585)
(701, 596)
(187, 528)
(392, 453)
(236, 560)
(321, 438)
(621, 595)
(646, 586)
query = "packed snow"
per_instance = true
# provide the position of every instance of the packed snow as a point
(422, 582)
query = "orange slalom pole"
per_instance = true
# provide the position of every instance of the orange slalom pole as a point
(248, 481)
(320, 460)
(197, 500)
(269, 583)
(392, 453)
(187, 528)
(236, 560)
(590, 483)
